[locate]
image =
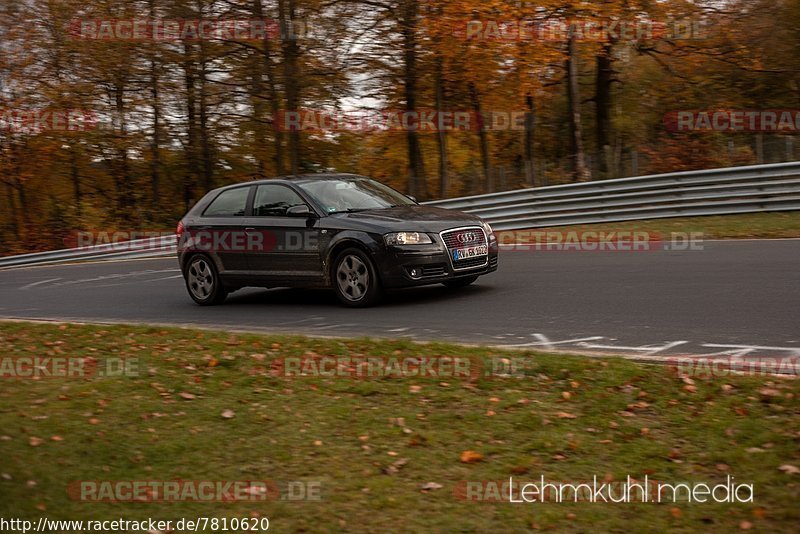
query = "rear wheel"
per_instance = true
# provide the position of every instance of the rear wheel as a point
(203, 282)
(355, 279)
(460, 282)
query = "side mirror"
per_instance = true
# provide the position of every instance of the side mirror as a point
(300, 211)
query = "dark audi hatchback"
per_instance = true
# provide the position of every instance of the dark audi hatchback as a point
(341, 231)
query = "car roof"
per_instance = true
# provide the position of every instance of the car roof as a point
(297, 178)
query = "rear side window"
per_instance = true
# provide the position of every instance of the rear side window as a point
(273, 200)
(230, 203)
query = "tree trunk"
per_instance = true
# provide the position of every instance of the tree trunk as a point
(530, 124)
(192, 152)
(76, 179)
(155, 146)
(444, 179)
(482, 137)
(580, 170)
(121, 172)
(291, 75)
(602, 98)
(265, 69)
(205, 133)
(12, 210)
(417, 181)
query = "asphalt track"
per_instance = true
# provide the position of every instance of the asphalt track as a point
(732, 297)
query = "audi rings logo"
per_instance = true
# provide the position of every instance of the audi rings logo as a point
(467, 237)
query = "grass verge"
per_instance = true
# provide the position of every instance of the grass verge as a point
(214, 406)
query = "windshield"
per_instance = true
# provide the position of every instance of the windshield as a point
(354, 194)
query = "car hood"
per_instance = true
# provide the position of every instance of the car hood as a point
(418, 218)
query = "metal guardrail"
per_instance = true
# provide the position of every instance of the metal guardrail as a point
(752, 189)
(141, 248)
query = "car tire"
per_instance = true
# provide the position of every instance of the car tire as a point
(203, 281)
(355, 279)
(460, 282)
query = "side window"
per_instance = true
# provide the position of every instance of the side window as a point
(274, 200)
(231, 203)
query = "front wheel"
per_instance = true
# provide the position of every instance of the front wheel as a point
(203, 282)
(460, 282)
(355, 279)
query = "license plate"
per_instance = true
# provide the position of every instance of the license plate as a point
(470, 252)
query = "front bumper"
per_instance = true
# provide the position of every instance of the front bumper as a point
(427, 264)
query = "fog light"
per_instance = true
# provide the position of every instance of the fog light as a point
(416, 273)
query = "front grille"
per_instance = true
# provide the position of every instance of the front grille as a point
(461, 238)
(470, 263)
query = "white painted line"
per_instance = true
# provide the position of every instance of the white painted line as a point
(165, 278)
(23, 288)
(544, 342)
(77, 263)
(644, 349)
(744, 350)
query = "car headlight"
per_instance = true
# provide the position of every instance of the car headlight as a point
(407, 238)
(488, 229)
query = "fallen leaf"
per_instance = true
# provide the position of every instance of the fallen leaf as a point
(768, 394)
(35, 442)
(228, 414)
(745, 525)
(187, 396)
(675, 512)
(394, 468)
(566, 395)
(429, 486)
(56, 438)
(470, 457)
(565, 415)
(789, 469)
